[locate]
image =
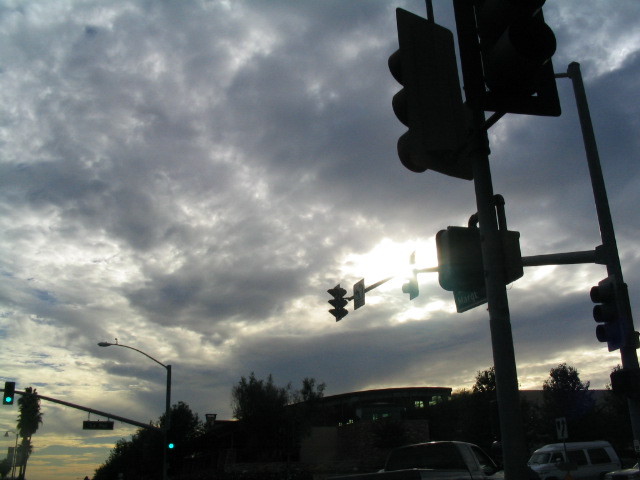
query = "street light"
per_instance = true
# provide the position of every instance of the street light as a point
(167, 422)
(15, 453)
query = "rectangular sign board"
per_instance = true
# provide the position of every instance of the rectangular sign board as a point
(97, 425)
(468, 300)
(358, 294)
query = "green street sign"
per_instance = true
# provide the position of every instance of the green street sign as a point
(468, 300)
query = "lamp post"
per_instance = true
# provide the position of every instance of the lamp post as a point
(167, 419)
(15, 453)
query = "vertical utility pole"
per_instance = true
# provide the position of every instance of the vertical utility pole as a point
(628, 352)
(167, 425)
(500, 75)
(429, 5)
(512, 433)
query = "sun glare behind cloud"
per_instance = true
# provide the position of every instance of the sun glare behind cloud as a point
(390, 259)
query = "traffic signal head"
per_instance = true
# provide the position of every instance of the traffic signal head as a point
(338, 302)
(607, 312)
(411, 287)
(505, 50)
(460, 266)
(430, 103)
(9, 393)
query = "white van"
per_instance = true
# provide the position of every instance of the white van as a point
(584, 460)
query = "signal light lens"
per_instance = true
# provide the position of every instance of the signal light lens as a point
(9, 393)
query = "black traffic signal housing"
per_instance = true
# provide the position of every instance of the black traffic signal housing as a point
(505, 53)
(9, 394)
(338, 302)
(411, 287)
(607, 312)
(460, 264)
(626, 381)
(430, 103)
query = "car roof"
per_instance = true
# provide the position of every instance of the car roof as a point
(573, 446)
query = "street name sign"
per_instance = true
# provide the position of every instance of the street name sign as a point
(97, 425)
(468, 300)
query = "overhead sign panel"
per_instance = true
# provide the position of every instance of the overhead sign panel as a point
(97, 425)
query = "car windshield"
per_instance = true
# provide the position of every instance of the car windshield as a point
(539, 458)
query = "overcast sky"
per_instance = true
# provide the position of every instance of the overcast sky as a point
(190, 177)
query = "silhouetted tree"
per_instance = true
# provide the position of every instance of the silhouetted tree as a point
(5, 467)
(485, 382)
(141, 457)
(29, 420)
(273, 418)
(185, 428)
(484, 413)
(565, 395)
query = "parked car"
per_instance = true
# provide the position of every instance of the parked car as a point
(434, 461)
(584, 460)
(632, 473)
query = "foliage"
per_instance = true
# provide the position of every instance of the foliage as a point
(485, 382)
(5, 467)
(565, 395)
(265, 411)
(252, 399)
(29, 420)
(564, 378)
(141, 457)
(273, 418)
(310, 392)
(473, 415)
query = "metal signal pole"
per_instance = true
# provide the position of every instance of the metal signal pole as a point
(628, 351)
(511, 428)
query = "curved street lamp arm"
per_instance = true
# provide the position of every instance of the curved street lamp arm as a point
(108, 344)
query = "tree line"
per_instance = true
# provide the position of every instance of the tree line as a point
(472, 415)
(273, 420)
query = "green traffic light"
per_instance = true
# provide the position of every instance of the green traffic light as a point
(8, 393)
(171, 445)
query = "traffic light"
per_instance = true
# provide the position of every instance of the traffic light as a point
(430, 103)
(505, 53)
(460, 266)
(9, 394)
(411, 287)
(626, 381)
(338, 302)
(607, 312)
